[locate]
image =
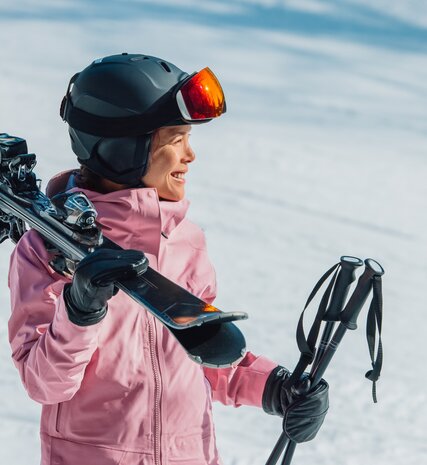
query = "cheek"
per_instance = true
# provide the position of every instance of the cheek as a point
(162, 171)
(165, 160)
(161, 165)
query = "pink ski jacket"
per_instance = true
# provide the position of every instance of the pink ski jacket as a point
(122, 391)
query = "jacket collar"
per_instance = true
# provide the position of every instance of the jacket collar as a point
(134, 218)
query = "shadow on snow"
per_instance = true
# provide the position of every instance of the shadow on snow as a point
(354, 23)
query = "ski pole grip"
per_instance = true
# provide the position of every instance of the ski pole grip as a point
(345, 277)
(351, 311)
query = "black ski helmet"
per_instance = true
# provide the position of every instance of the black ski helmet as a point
(113, 107)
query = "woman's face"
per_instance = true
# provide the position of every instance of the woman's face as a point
(170, 155)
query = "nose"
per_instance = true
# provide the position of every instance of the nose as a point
(189, 154)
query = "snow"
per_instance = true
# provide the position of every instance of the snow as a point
(322, 153)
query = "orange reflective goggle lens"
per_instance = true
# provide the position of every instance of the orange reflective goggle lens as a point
(201, 97)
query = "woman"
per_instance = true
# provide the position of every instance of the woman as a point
(115, 386)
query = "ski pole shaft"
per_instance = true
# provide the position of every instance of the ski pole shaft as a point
(344, 279)
(278, 449)
(289, 453)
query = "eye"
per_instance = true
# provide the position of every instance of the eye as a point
(177, 140)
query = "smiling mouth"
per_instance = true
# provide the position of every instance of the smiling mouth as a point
(178, 175)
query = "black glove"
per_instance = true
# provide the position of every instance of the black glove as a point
(303, 414)
(93, 282)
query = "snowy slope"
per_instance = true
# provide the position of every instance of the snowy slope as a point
(323, 152)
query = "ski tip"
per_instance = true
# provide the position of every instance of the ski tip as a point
(213, 345)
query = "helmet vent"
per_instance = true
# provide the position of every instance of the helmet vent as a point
(165, 66)
(139, 58)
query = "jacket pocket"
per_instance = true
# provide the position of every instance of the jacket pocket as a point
(192, 448)
(58, 418)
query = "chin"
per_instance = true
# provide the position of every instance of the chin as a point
(172, 197)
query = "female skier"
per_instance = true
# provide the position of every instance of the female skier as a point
(115, 386)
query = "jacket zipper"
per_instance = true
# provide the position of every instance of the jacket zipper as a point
(157, 394)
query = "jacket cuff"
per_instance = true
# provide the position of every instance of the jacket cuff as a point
(68, 332)
(262, 370)
(271, 398)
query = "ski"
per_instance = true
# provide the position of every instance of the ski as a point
(67, 222)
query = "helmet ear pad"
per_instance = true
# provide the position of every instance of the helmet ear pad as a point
(125, 157)
(123, 160)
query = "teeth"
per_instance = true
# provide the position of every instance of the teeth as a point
(178, 175)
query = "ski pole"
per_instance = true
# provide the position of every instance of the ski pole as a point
(339, 293)
(348, 317)
(344, 279)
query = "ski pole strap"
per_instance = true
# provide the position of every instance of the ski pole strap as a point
(374, 321)
(307, 345)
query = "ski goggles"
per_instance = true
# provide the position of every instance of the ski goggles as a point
(197, 99)
(201, 97)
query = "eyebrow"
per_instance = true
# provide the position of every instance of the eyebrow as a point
(178, 132)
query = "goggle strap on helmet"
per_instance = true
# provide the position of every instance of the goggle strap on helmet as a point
(161, 114)
(128, 126)
(66, 99)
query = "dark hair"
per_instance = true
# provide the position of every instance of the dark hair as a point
(87, 179)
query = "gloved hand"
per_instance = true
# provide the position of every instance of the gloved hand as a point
(93, 282)
(303, 414)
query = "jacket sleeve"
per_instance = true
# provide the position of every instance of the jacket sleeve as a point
(243, 384)
(50, 352)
